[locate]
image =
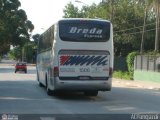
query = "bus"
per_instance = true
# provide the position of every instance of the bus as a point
(76, 54)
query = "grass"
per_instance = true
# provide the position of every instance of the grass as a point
(122, 75)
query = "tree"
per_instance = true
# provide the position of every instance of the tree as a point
(36, 38)
(28, 52)
(133, 23)
(146, 5)
(14, 25)
(155, 5)
(16, 53)
(70, 11)
(23, 53)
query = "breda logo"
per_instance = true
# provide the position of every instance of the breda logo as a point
(86, 31)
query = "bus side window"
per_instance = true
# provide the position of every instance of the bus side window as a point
(47, 46)
(40, 44)
(44, 41)
(52, 34)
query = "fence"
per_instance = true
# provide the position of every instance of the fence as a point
(147, 63)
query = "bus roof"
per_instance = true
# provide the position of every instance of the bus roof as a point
(96, 19)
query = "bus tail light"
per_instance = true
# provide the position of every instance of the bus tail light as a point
(56, 71)
(110, 71)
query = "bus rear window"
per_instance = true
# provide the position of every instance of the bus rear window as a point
(84, 31)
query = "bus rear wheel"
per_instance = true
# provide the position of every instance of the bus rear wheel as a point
(49, 92)
(40, 84)
(52, 92)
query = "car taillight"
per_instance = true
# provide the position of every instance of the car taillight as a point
(110, 71)
(56, 71)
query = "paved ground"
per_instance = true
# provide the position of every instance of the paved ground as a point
(20, 94)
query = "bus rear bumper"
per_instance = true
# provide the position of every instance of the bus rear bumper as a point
(77, 85)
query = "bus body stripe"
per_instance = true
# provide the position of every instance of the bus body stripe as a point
(83, 60)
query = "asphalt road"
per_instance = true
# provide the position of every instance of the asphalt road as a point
(21, 94)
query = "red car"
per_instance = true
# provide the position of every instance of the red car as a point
(21, 67)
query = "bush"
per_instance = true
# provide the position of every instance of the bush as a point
(121, 75)
(130, 63)
(152, 53)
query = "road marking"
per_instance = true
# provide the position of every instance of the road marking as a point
(47, 118)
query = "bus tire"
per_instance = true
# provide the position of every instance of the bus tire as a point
(91, 93)
(40, 84)
(49, 92)
(37, 76)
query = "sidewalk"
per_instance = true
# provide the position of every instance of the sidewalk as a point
(135, 84)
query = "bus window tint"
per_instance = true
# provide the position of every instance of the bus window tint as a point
(46, 40)
(84, 31)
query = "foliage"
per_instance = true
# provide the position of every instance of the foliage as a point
(128, 23)
(127, 20)
(36, 38)
(14, 25)
(0, 58)
(121, 75)
(130, 63)
(28, 52)
(16, 53)
(70, 11)
(25, 53)
(154, 53)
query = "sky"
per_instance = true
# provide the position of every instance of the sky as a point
(44, 13)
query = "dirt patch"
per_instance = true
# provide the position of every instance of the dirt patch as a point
(135, 84)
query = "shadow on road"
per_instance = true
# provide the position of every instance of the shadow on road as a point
(73, 96)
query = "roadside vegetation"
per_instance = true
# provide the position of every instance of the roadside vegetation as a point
(135, 24)
(122, 75)
(15, 28)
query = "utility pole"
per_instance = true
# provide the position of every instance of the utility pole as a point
(144, 28)
(157, 29)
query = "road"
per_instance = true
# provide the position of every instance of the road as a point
(21, 94)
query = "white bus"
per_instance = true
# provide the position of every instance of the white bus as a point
(76, 54)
